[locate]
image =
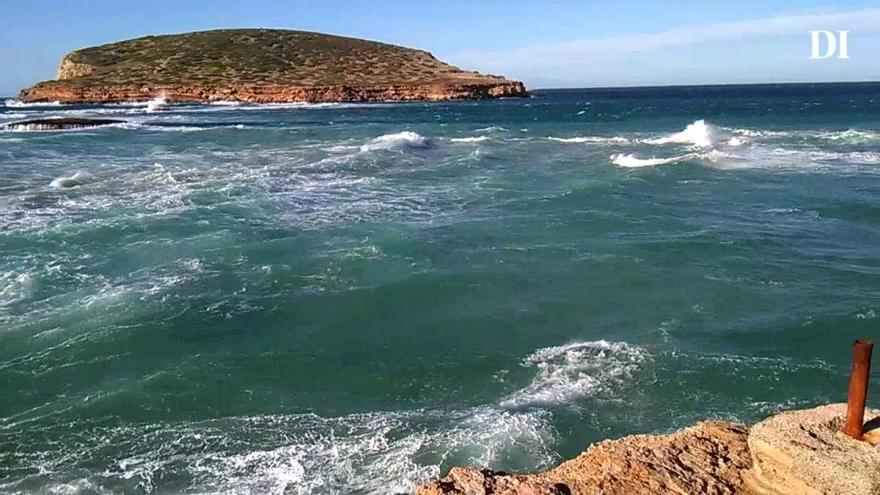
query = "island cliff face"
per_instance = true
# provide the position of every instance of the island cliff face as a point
(261, 66)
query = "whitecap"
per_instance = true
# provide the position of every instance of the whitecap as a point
(158, 103)
(632, 161)
(77, 179)
(850, 136)
(569, 372)
(699, 134)
(405, 139)
(474, 139)
(15, 287)
(591, 140)
(225, 103)
(736, 141)
(36, 104)
(493, 128)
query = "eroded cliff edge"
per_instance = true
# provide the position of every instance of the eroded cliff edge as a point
(792, 453)
(261, 66)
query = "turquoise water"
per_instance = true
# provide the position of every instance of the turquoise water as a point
(354, 298)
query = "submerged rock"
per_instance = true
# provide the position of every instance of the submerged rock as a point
(58, 124)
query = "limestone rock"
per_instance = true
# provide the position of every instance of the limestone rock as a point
(708, 458)
(804, 452)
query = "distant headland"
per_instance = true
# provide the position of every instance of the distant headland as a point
(261, 66)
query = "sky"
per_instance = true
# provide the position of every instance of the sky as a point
(545, 43)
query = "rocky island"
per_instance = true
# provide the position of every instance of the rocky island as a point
(261, 66)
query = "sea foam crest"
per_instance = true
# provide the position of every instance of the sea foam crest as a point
(632, 161)
(158, 103)
(573, 371)
(77, 179)
(23, 104)
(15, 287)
(591, 140)
(405, 139)
(473, 139)
(699, 133)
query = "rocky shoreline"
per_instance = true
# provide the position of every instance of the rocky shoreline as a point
(792, 453)
(66, 92)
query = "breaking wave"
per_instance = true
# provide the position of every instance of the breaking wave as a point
(157, 104)
(632, 161)
(570, 372)
(405, 139)
(15, 287)
(591, 140)
(71, 181)
(699, 134)
(474, 139)
(22, 104)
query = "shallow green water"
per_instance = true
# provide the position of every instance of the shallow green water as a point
(303, 299)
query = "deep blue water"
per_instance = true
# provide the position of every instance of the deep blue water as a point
(354, 298)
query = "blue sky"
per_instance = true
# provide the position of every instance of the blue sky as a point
(545, 43)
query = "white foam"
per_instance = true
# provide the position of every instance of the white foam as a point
(493, 128)
(15, 287)
(591, 140)
(573, 371)
(632, 161)
(77, 179)
(850, 136)
(158, 103)
(369, 453)
(405, 139)
(699, 134)
(474, 139)
(23, 104)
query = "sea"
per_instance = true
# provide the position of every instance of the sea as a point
(354, 298)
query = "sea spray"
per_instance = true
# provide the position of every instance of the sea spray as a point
(699, 134)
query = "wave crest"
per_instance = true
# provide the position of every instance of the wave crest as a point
(474, 139)
(591, 140)
(576, 370)
(74, 180)
(632, 161)
(699, 134)
(405, 139)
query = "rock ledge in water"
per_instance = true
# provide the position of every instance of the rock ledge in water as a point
(58, 124)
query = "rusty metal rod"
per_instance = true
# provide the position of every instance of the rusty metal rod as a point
(858, 388)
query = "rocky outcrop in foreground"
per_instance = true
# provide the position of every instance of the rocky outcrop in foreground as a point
(798, 452)
(261, 66)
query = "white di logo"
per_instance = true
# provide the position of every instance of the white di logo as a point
(834, 43)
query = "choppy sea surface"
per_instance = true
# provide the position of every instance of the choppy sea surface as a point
(354, 298)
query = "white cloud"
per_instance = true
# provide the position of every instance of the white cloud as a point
(860, 21)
